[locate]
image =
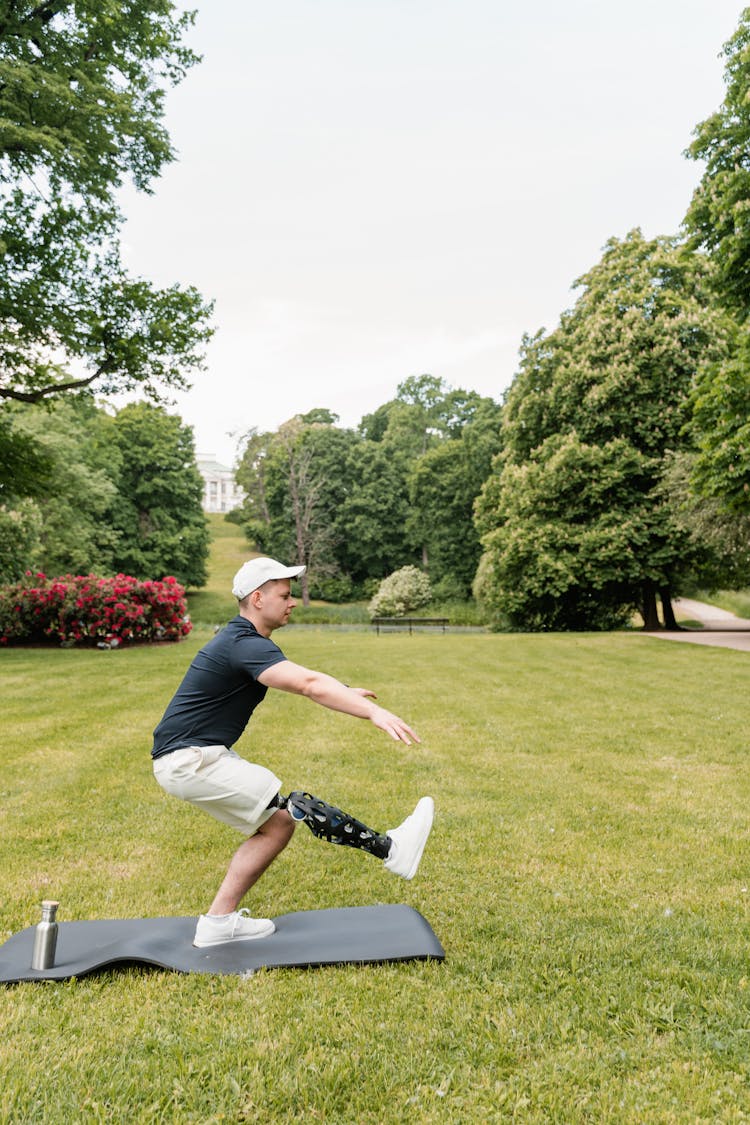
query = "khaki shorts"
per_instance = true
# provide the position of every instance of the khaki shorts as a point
(218, 780)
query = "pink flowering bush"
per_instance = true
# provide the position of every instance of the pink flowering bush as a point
(85, 609)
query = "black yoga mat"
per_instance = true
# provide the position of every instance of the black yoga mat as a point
(310, 938)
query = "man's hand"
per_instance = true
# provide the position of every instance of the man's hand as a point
(392, 725)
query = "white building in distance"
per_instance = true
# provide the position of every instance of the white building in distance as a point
(220, 491)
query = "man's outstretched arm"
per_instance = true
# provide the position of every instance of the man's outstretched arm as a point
(331, 693)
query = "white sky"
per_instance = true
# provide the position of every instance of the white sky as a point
(371, 189)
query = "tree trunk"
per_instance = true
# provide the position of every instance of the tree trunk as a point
(648, 609)
(670, 621)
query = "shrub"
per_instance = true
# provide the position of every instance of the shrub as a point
(405, 590)
(331, 588)
(449, 588)
(90, 610)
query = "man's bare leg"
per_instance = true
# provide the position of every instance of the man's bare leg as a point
(250, 861)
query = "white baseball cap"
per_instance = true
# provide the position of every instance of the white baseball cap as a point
(257, 571)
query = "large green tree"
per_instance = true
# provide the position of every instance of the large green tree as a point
(443, 486)
(157, 512)
(440, 481)
(718, 218)
(372, 525)
(600, 401)
(568, 551)
(296, 480)
(74, 535)
(718, 222)
(82, 86)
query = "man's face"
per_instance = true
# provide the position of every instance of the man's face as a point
(275, 602)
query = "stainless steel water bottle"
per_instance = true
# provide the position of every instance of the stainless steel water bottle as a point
(45, 938)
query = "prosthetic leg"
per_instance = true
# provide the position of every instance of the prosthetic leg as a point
(326, 822)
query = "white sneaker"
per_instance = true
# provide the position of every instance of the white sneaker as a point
(238, 926)
(409, 839)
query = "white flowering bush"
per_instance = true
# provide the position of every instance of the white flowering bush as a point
(400, 593)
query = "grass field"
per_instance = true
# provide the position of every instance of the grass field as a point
(587, 876)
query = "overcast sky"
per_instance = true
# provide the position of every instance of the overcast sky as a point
(372, 189)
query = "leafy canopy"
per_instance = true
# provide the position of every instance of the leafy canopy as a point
(82, 87)
(718, 218)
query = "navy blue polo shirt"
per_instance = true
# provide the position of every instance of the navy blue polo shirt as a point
(213, 704)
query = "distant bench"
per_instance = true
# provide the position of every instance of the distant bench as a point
(409, 622)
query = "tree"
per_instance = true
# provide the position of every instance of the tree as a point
(24, 467)
(296, 481)
(157, 511)
(319, 415)
(443, 486)
(372, 532)
(717, 218)
(82, 88)
(19, 535)
(413, 427)
(250, 474)
(719, 535)
(717, 222)
(568, 551)
(607, 396)
(74, 535)
(425, 410)
(302, 488)
(25, 473)
(326, 496)
(721, 424)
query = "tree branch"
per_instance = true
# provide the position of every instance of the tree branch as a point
(52, 389)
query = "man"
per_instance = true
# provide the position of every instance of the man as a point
(194, 759)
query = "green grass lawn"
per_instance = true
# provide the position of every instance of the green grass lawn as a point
(587, 876)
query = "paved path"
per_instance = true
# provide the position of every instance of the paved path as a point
(718, 627)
